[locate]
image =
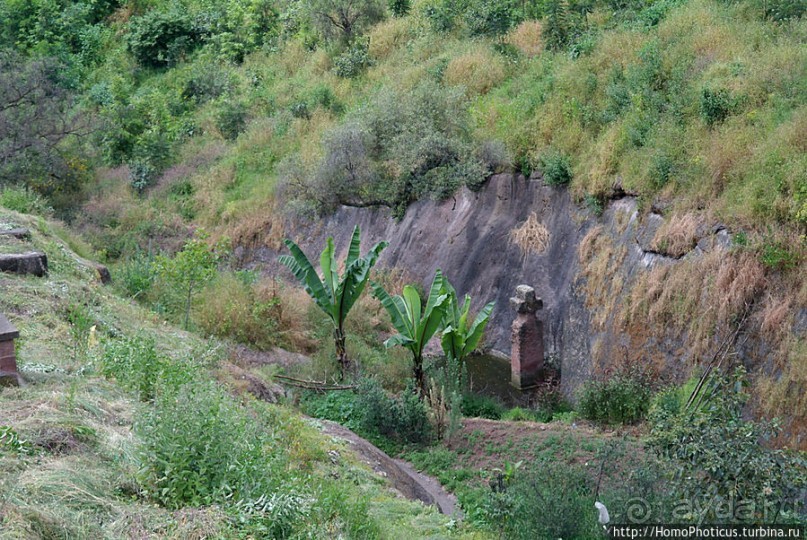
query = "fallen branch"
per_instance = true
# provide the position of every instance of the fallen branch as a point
(312, 385)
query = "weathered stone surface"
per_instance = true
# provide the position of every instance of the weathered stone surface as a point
(8, 360)
(467, 236)
(7, 330)
(32, 262)
(19, 233)
(103, 273)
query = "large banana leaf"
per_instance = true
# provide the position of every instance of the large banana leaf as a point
(458, 340)
(304, 271)
(415, 324)
(333, 295)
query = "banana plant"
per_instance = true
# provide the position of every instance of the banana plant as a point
(334, 294)
(415, 324)
(459, 339)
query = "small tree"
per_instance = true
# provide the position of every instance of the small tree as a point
(333, 294)
(191, 268)
(415, 325)
(344, 19)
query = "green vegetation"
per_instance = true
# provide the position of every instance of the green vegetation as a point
(620, 399)
(190, 269)
(415, 324)
(139, 122)
(333, 294)
(135, 433)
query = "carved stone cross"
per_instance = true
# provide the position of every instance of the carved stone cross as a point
(527, 339)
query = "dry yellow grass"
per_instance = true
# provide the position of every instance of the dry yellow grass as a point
(774, 317)
(527, 37)
(600, 261)
(785, 395)
(478, 70)
(677, 236)
(699, 300)
(531, 236)
(387, 37)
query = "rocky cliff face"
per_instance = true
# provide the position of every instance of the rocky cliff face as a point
(623, 287)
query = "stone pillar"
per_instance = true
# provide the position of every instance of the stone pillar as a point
(527, 347)
(8, 358)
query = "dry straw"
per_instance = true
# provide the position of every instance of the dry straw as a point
(531, 236)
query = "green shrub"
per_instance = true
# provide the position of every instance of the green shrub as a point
(479, 406)
(621, 399)
(161, 38)
(712, 454)
(353, 61)
(200, 447)
(340, 407)
(135, 364)
(441, 14)
(517, 414)
(556, 168)
(401, 146)
(399, 8)
(403, 419)
(489, 17)
(23, 200)
(715, 105)
(231, 119)
(779, 256)
(136, 275)
(550, 501)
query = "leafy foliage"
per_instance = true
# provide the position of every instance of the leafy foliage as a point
(161, 38)
(343, 19)
(714, 456)
(416, 324)
(403, 419)
(621, 399)
(333, 294)
(201, 447)
(460, 339)
(192, 267)
(556, 168)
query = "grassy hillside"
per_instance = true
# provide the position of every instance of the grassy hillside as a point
(122, 432)
(215, 111)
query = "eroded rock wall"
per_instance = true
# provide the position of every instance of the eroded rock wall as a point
(623, 287)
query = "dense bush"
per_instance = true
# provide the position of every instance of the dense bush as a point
(400, 147)
(161, 38)
(374, 413)
(137, 366)
(352, 62)
(715, 105)
(556, 168)
(714, 457)
(479, 406)
(201, 447)
(399, 8)
(23, 200)
(550, 501)
(621, 399)
(231, 119)
(403, 418)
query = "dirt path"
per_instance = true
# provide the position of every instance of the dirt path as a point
(404, 478)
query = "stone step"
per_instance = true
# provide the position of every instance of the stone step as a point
(19, 233)
(32, 262)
